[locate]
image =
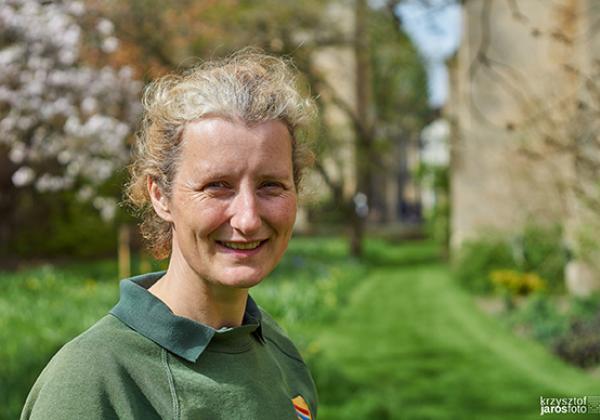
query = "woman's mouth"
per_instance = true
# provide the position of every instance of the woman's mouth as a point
(241, 245)
(242, 248)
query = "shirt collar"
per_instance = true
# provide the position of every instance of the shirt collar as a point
(145, 313)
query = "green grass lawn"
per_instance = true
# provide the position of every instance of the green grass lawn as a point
(389, 337)
(412, 345)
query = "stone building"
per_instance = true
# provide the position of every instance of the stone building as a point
(525, 108)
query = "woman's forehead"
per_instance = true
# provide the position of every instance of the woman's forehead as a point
(217, 134)
(218, 145)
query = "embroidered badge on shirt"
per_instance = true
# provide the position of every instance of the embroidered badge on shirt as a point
(302, 410)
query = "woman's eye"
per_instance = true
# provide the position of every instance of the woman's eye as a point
(273, 187)
(216, 186)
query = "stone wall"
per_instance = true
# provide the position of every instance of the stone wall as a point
(519, 78)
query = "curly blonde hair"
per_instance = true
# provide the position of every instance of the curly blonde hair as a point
(249, 86)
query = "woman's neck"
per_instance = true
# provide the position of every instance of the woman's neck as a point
(189, 296)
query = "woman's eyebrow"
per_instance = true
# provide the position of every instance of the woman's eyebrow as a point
(212, 174)
(283, 174)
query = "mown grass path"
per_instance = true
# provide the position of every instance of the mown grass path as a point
(410, 344)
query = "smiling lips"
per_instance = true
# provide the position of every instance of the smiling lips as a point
(244, 246)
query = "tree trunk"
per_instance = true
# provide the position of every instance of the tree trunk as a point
(124, 252)
(364, 129)
(7, 201)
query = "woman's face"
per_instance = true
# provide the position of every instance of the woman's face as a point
(233, 202)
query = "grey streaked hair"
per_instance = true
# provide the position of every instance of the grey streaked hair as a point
(247, 86)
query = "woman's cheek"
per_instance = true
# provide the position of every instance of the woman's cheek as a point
(208, 218)
(287, 212)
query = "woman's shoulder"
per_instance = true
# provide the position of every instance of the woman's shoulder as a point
(94, 350)
(106, 344)
(82, 373)
(108, 324)
(275, 334)
(108, 330)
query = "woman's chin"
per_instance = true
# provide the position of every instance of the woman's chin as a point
(242, 278)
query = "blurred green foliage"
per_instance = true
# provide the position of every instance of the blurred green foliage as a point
(567, 325)
(541, 250)
(60, 224)
(63, 226)
(477, 258)
(437, 219)
(536, 250)
(580, 345)
(538, 317)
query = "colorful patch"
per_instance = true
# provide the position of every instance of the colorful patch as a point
(302, 410)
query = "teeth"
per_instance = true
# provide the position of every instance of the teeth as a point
(240, 245)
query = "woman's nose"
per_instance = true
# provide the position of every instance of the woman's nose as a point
(245, 218)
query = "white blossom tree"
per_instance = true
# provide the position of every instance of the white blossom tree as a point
(64, 124)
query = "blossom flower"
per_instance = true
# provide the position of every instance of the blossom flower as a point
(64, 122)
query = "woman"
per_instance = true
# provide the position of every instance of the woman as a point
(218, 164)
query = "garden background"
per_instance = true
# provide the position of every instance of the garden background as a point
(444, 263)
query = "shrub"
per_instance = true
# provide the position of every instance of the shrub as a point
(545, 254)
(536, 252)
(58, 224)
(539, 318)
(581, 344)
(478, 258)
(585, 308)
(573, 333)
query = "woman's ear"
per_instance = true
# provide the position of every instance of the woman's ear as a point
(159, 201)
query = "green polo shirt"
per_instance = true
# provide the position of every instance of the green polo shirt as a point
(143, 362)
